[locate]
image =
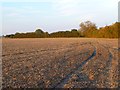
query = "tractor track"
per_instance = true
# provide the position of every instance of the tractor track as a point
(64, 80)
(73, 63)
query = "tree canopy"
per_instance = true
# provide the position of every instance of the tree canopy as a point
(87, 29)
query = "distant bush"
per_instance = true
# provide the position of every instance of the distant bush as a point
(87, 29)
(111, 31)
(72, 33)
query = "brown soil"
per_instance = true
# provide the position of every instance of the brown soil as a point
(60, 63)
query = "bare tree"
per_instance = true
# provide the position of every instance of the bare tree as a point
(84, 26)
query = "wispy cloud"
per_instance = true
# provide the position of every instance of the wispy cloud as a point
(13, 14)
(65, 7)
(52, 15)
(22, 10)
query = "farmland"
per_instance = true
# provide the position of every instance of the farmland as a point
(60, 63)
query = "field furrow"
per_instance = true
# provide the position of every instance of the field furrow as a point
(60, 63)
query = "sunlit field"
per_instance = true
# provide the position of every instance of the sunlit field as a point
(60, 63)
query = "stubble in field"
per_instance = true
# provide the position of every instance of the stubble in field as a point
(60, 63)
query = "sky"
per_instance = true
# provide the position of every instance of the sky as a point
(54, 15)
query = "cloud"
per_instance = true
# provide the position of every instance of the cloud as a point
(57, 14)
(20, 10)
(65, 7)
(74, 7)
(13, 14)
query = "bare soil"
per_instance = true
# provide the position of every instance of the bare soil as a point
(60, 63)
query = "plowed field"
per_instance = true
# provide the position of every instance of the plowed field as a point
(60, 63)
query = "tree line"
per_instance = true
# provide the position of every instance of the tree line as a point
(87, 29)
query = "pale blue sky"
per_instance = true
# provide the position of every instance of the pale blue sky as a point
(56, 15)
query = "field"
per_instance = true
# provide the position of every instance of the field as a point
(60, 63)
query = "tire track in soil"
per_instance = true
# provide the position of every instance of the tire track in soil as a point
(104, 82)
(62, 61)
(108, 82)
(69, 48)
(104, 71)
(107, 68)
(64, 80)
